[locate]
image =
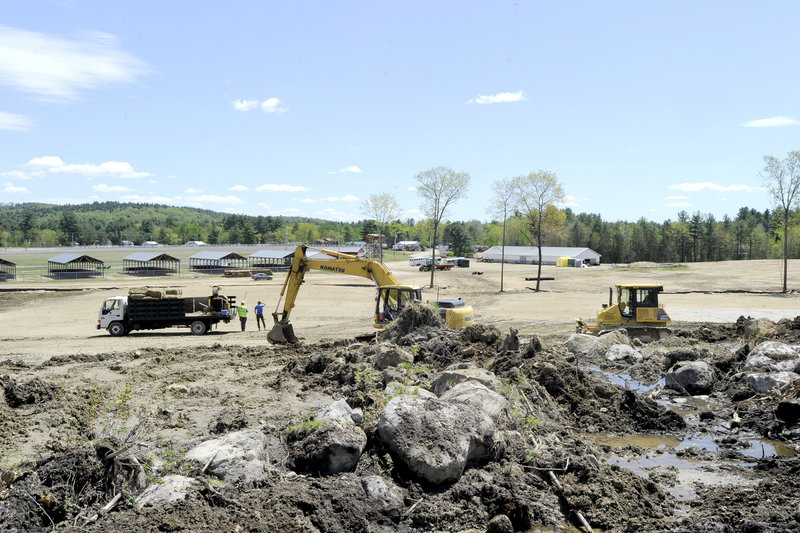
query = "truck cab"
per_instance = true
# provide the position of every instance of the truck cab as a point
(112, 315)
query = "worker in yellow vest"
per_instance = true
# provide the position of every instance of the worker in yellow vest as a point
(241, 310)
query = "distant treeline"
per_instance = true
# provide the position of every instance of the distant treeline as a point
(691, 237)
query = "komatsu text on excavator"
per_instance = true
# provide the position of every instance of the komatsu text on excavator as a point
(392, 295)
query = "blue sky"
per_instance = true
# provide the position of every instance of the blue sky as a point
(641, 109)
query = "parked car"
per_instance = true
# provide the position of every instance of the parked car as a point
(261, 275)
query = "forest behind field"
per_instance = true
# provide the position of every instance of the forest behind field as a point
(688, 238)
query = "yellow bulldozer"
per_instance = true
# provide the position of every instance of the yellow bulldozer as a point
(637, 310)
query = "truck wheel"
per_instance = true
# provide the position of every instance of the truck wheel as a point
(117, 329)
(198, 327)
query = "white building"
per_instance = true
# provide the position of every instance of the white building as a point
(550, 254)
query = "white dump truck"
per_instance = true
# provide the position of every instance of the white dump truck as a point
(157, 308)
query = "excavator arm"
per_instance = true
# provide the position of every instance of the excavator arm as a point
(282, 332)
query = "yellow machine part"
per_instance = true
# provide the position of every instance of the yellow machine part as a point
(459, 318)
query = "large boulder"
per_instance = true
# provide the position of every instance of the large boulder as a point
(235, 457)
(691, 377)
(684, 354)
(436, 439)
(167, 489)
(591, 345)
(338, 411)
(477, 395)
(765, 382)
(754, 327)
(457, 373)
(331, 448)
(581, 343)
(383, 495)
(774, 355)
(623, 352)
(390, 354)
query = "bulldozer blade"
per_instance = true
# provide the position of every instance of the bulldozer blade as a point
(282, 334)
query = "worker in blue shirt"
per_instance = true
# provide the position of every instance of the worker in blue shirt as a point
(260, 316)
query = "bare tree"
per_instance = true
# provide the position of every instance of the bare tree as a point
(782, 181)
(534, 193)
(439, 189)
(500, 205)
(382, 208)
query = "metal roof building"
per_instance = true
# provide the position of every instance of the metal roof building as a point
(72, 266)
(216, 262)
(8, 270)
(150, 264)
(550, 254)
(273, 259)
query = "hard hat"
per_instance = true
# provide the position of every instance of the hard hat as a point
(242, 302)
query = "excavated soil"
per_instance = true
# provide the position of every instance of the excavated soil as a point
(629, 455)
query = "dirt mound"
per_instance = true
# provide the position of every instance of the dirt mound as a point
(32, 392)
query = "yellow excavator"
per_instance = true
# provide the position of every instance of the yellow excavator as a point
(392, 295)
(637, 309)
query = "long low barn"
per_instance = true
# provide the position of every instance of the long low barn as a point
(550, 254)
(72, 266)
(150, 264)
(8, 270)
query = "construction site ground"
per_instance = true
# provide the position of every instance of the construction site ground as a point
(50, 347)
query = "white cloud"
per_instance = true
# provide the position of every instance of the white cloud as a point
(571, 201)
(102, 187)
(14, 189)
(57, 69)
(308, 201)
(245, 105)
(350, 169)
(290, 212)
(15, 175)
(677, 203)
(238, 188)
(215, 199)
(274, 187)
(270, 105)
(56, 165)
(333, 214)
(676, 198)
(347, 198)
(13, 122)
(499, 98)
(412, 188)
(46, 161)
(148, 199)
(772, 122)
(192, 190)
(707, 185)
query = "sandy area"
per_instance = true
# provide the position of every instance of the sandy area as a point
(37, 322)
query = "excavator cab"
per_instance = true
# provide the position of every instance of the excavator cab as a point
(391, 300)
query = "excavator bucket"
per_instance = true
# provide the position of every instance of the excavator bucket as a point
(282, 333)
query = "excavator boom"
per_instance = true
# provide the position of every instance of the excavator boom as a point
(283, 332)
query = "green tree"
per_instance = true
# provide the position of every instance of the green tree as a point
(440, 188)
(461, 242)
(782, 181)
(534, 194)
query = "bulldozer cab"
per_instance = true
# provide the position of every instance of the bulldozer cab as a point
(391, 300)
(632, 298)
